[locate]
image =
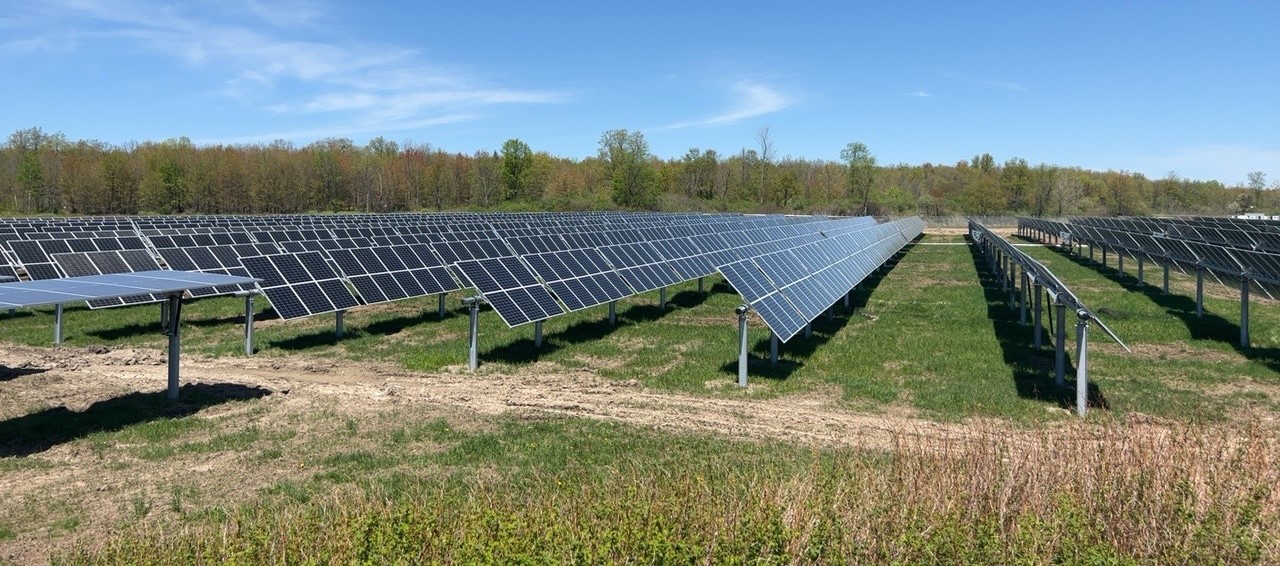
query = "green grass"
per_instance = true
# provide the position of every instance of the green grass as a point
(927, 335)
(562, 490)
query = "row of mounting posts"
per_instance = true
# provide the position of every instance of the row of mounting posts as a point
(1164, 286)
(1020, 288)
(473, 308)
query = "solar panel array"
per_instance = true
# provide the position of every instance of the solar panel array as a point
(790, 287)
(1229, 250)
(528, 266)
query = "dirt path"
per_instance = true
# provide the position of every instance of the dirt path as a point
(76, 378)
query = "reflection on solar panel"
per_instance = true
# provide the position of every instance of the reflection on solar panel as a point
(511, 289)
(36, 293)
(300, 285)
(105, 263)
(224, 259)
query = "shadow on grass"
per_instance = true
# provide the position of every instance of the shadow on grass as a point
(825, 327)
(523, 350)
(1210, 326)
(1032, 369)
(386, 327)
(38, 432)
(9, 374)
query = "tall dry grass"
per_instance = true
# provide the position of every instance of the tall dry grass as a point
(1077, 494)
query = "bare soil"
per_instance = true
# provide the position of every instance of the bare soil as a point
(75, 491)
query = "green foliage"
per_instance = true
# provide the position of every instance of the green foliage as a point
(517, 165)
(43, 173)
(632, 177)
(861, 172)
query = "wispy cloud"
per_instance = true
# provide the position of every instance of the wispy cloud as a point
(750, 100)
(1001, 84)
(920, 93)
(266, 58)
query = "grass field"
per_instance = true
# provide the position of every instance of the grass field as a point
(1174, 463)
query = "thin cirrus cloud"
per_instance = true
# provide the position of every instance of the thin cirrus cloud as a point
(921, 93)
(1000, 84)
(256, 51)
(752, 99)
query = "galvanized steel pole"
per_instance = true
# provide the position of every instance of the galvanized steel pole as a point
(1082, 366)
(742, 345)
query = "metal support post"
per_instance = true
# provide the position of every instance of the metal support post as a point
(164, 315)
(831, 312)
(662, 299)
(808, 330)
(1104, 255)
(1244, 312)
(1141, 272)
(1090, 251)
(773, 348)
(1022, 299)
(57, 324)
(1082, 366)
(248, 325)
(1166, 277)
(174, 330)
(537, 334)
(613, 313)
(846, 299)
(473, 351)
(1120, 262)
(442, 309)
(1199, 291)
(742, 345)
(1060, 349)
(1039, 329)
(700, 287)
(338, 329)
(1013, 288)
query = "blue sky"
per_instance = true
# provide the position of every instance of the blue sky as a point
(1153, 87)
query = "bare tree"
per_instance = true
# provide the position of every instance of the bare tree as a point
(766, 160)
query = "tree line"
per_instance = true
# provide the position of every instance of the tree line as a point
(46, 173)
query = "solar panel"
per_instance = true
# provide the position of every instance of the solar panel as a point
(109, 262)
(513, 291)
(36, 293)
(300, 285)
